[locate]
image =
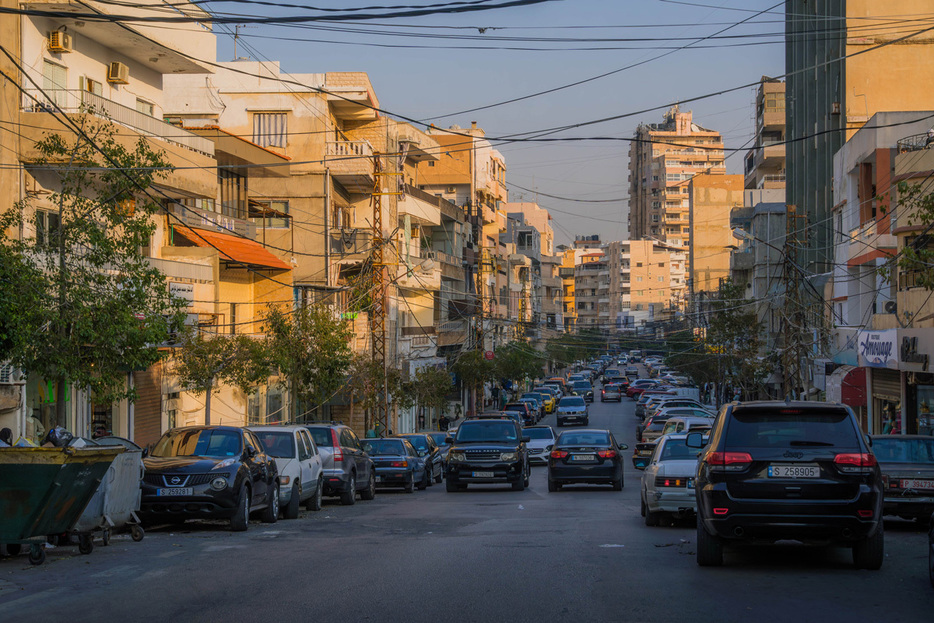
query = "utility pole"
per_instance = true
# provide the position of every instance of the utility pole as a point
(794, 316)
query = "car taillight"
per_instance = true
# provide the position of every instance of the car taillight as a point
(399, 464)
(855, 462)
(558, 454)
(729, 461)
(606, 454)
(338, 454)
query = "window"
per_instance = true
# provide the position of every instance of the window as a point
(661, 264)
(431, 163)
(48, 226)
(656, 204)
(660, 279)
(686, 230)
(270, 129)
(270, 214)
(233, 318)
(638, 264)
(654, 178)
(233, 192)
(144, 107)
(655, 218)
(638, 278)
(92, 86)
(54, 82)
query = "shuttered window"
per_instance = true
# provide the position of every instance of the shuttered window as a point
(269, 129)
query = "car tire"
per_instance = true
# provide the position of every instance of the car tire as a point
(410, 485)
(349, 497)
(440, 476)
(642, 506)
(709, 547)
(652, 518)
(870, 552)
(271, 512)
(618, 484)
(291, 511)
(317, 500)
(370, 492)
(553, 487)
(931, 554)
(452, 486)
(426, 480)
(240, 520)
(519, 485)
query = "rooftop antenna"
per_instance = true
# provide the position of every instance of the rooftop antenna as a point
(237, 28)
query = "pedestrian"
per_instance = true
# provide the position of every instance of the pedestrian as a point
(6, 437)
(443, 422)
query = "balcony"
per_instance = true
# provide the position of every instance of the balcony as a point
(350, 244)
(77, 101)
(351, 164)
(742, 260)
(413, 331)
(915, 142)
(452, 267)
(419, 279)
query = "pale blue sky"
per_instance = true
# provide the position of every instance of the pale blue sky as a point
(427, 83)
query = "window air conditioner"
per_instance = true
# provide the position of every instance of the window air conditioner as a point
(59, 41)
(118, 73)
(452, 189)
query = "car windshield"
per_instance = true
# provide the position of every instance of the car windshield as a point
(784, 427)
(676, 449)
(322, 437)
(210, 442)
(383, 447)
(572, 401)
(486, 431)
(903, 450)
(538, 433)
(418, 441)
(584, 439)
(278, 444)
(439, 438)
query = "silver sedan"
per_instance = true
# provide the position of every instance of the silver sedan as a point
(668, 480)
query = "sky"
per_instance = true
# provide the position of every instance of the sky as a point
(433, 83)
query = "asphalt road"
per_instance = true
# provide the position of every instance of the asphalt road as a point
(489, 554)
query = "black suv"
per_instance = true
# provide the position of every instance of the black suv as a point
(209, 472)
(488, 451)
(788, 470)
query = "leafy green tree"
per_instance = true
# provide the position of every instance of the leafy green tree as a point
(431, 387)
(205, 361)
(916, 259)
(311, 350)
(474, 370)
(101, 308)
(369, 381)
(518, 362)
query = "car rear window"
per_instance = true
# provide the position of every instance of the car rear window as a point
(903, 450)
(676, 449)
(792, 427)
(382, 447)
(418, 441)
(582, 385)
(584, 439)
(439, 438)
(322, 437)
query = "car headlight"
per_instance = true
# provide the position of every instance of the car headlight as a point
(219, 483)
(508, 456)
(225, 463)
(456, 457)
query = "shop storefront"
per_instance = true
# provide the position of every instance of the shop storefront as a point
(924, 403)
(847, 385)
(878, 351)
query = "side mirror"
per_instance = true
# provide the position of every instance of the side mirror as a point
(695, 440)
(623, 446)
(868, 440)
(250, 451)
(449, 441)
(526, 439)
(145, 452)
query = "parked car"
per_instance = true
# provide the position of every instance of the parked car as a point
(907, 464)
(685, 412)
(668, 480)
(545, 398)
(652, 429)
(642, 454)
(686, 425)
(648, 399)
(669, 402)
(637, 386)
(611, 391)
(427, 450)
(541, 439)
(788, 470)
(586, 456)
(584, 389)
(209, 472)
(572, 409)
(346, 468)
(440, 439)
(535, 404)
(299, 464)
(488, 451)
(528, 416)
(397, 464)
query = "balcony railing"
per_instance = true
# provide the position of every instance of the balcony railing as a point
(349, 150)
(915, 142)
(77, 101)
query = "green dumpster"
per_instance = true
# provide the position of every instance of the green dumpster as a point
(44, 491)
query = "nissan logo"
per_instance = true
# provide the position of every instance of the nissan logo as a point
(176, 480)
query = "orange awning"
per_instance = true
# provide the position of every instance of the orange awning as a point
(233, 248)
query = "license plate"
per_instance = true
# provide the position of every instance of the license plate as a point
(482, 474)
(379, 479)
(175, 492)
(690, 483)
(583, 457)
(917, 484)
(794, 471)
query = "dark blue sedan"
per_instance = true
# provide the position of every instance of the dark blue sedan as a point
(397, 464)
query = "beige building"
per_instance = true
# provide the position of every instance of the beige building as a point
(712, 197)
(765, 162)
(663, 158)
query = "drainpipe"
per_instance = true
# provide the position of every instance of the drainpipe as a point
(131, 408)
(327, 227)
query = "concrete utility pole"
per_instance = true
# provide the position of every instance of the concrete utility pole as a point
(794, 317)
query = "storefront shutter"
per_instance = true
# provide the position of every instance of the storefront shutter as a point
(887, 383)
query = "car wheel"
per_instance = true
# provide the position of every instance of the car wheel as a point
(870, 552)
(451, 486)
(410, 485)
(291, 511)
(426, 480)
(440, 476)
(553, 487)
(587, 422)
(652, 517)
(271, 512)
(709, 547)
(317, 500)
(519, 485)
(349, 497)
(618, 484)
(528, 473)
(931, 553)
(370, 492)
(241, 518)
(642, 506)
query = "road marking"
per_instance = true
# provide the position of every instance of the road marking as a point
(521, 508)
(119, 570)
(34, 597)
(612, 545)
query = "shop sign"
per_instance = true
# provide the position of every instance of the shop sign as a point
(184, 291)
(878, 349)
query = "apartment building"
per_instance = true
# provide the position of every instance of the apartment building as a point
(663, 158)
(764, 165)
(712, 197)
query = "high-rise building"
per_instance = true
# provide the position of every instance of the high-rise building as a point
(765, 161)
(835, 84)
(712, 198)
(663, 157)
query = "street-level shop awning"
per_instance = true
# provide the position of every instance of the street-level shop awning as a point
(232, 248)
(847, 385)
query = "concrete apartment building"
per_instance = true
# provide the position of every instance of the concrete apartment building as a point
(663, 158)
(828, 101)
(712, 197)
(764, 165)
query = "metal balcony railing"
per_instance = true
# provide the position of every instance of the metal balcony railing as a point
(77, 101)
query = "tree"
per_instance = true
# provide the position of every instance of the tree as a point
(916, 258)
(311, 350)
(369, 379)
(203, 362)
(431, 387)
(92, 304)
(734, 339)
(474, 370)
(518, 362)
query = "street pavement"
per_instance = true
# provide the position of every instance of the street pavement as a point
(488, 554)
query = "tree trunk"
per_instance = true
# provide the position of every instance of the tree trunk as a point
(207, 405)
(61, 411)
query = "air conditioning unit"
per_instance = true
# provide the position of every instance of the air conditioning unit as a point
(118, 73)
(59, 41)
(452, 189)
(890, 307)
